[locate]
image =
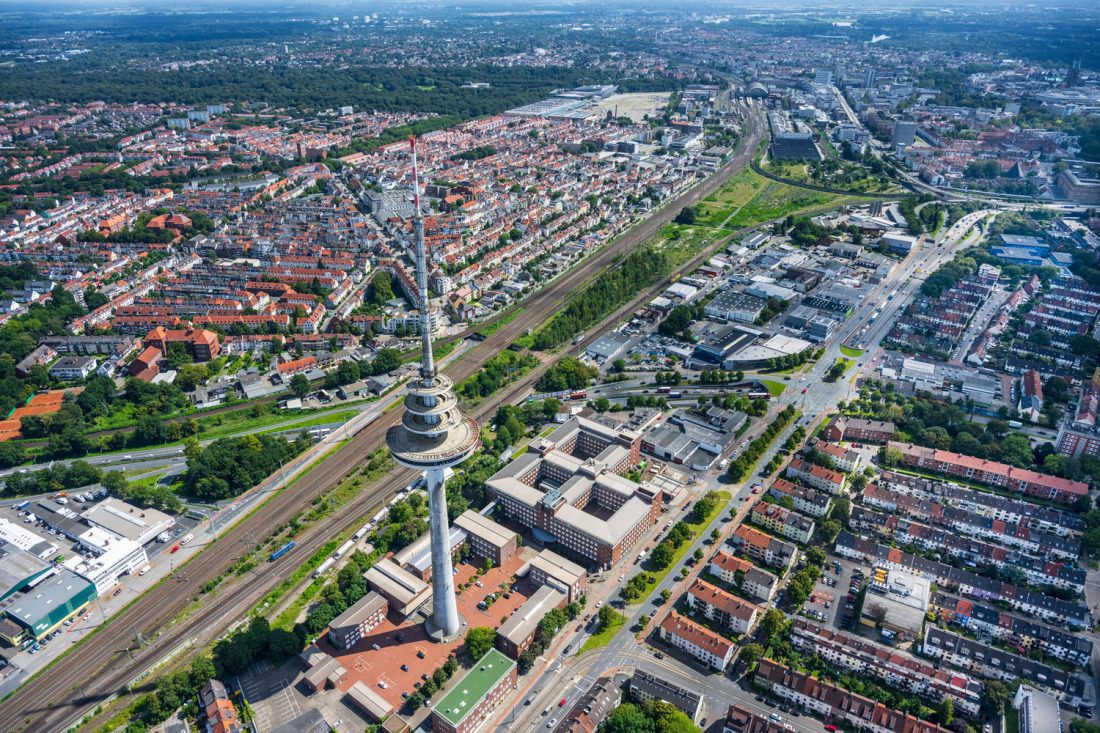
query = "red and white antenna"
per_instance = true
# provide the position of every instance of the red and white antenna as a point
(416, 177)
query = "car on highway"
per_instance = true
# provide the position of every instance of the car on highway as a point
(551, 723)
(175, 548)
(804, 390)
(562, 703)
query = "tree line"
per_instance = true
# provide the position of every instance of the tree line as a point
(612, 288)
(743, 464)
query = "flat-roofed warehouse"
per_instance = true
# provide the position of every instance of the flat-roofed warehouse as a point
(488, 538)
(515, 634)
(140, 525)
(608, 346)
(369, 702)
(35, 596)
(402, 589)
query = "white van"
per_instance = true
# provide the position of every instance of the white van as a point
(145, 569)
(187, 538)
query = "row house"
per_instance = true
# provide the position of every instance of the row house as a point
(1033, 541)
(297, 366)
(722, 607)
(1008, 477)
(953, 542)
(704, 645)
(819, 477)
(966, 583)
(743, 720)
(808, 501)
(1021, 633)
(832, 702)
(786, 522)
(865, 659)
(742, 574)
(1014, 511)
(995, 663)
(764, 549)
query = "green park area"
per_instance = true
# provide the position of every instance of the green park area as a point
(854, 353)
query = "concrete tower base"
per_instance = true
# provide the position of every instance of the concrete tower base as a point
(437, 635)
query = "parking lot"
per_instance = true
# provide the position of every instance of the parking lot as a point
(835, 595)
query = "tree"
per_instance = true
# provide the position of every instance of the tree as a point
(995, 698)
(946, 711)
(773, 621)
(892, 456)
(628, 718)
(299, 385)
(607, 617)
(827, 531)
(643, 621)
(750, 654)
(815, 556)
(686, 215)
(618, 365)
(665, 595)
(602, 404)
(479, 640)
(661, 557)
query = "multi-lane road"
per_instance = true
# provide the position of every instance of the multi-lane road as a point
(109, 659)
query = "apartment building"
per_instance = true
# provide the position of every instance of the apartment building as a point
(570, 487)
(757, 582)
(203, 345)
(995, 663)
(785, 522)
(645, 686)
(866, 659)
(808, 501)
(71, 368)
(700, 642)
(856, 430)
(722, 607)
(1008, 477)
(517, 633)
(963, 526)
(831, 701)
(846, 460)
(764, 549)
(350, 626)
(819, 477)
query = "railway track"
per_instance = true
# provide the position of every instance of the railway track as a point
(107, 661)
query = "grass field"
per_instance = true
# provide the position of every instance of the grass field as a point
(854, 353)
(776, 388)
(604, 637)
(336, 417)
(760, 199)
(683, 241)
(495, 326)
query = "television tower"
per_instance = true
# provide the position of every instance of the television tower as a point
(433, 435)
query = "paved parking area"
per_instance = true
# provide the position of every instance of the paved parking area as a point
(835, 595)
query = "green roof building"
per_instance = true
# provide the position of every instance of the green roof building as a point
(474, 696)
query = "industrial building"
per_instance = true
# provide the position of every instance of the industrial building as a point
(696, 441)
